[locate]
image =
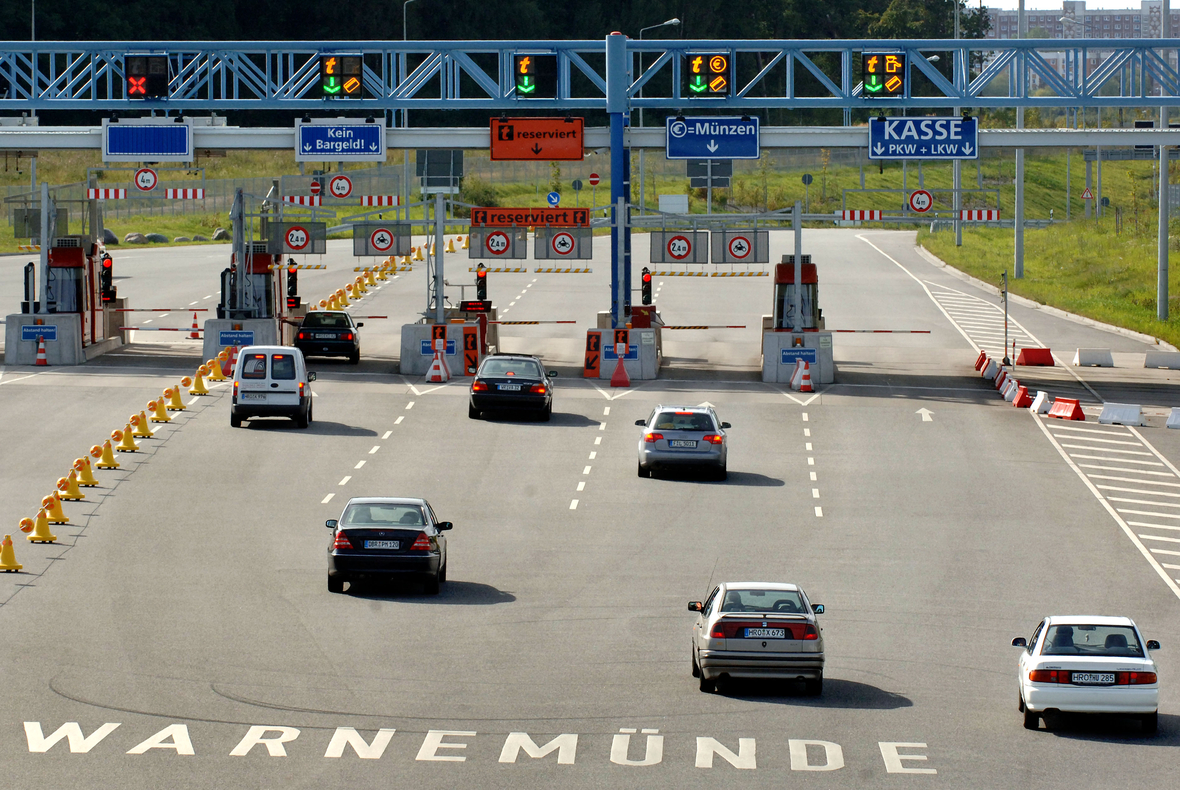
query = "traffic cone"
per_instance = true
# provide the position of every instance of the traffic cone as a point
(126, 442)
(41, 533)
(361, 286)
(140, 423)
(85, 475)
(450, 245)
(158, 413)
(106, 458)
(215, 372)
(418, 254)
(172, 394)
(8, 562)
(68, 486)
(467, 242)
(369, 279)
(438, 373)
(199, 382)
(620, 378)
(341, 298)
(382, 273)
(195, 334)
(42, 360)
(52, 507)
(432, 247)
(805, 382)
(332, 303)
(233, 360)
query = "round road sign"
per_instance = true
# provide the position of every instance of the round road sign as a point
(807, 179)
(340, 186)
(297, 238)
(739, 247)
(316, 186)
(381, 240)
(497, 242)
(679, 247)
(563, 243)
(577, 185)
(146, 179)
(553, 198)
(594, 179)
(921, 201)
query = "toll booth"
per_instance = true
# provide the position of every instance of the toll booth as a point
(256, 317)
(781, 344)
(74, 285)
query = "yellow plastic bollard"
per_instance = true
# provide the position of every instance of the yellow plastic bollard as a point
(41, 533)
(106, 458)
(52, 507)
(126, 442)
(140, 423)
(68, 486)
(199, 382)
(85, 475)
(173, 396)
(8, 562)
(158, 413)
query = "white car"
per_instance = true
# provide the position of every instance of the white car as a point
(1083, 664)
(757, 630)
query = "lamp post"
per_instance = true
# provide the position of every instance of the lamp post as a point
(673, 22)
(404, 18)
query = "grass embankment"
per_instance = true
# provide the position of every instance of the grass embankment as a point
(1084, 267)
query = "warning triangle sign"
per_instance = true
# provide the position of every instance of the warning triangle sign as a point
(1087, 195)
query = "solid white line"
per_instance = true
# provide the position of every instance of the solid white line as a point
(1137, 491)
(327, 499)
(1110, 509)
(1159, 538)
(582, 486)
(1119, 460)
(1141, 501)
(1122, 469)
(573, 504)
(1104, 449)
(376, 447)
(386, 435)
(1104, 441)
(1099, 431)
(359, 464)
(1148, 513)
(1165, 551)
(819, 512)
(586, 471)
(398, 421)
(1157, 453)
(1134, 480)
(1150, 525)
(409, 405)
(345, 480)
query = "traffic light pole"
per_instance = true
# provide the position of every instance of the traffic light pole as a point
(47, 210)
(440, 228)
(617, 81)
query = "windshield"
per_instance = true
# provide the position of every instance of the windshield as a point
(318, 320)
(512, 367)
(780, 601)
(1091, 640)
(383, 515)
(683, 421)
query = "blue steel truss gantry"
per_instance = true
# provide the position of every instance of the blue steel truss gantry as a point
(478, 74)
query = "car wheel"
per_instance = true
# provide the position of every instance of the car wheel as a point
(1031, 720)
(696, 671)
(335, 584)
(472, 412)
(1150, 722)
(547, 414)
(721, 473)
(1019, 703)
(234, 420)
(432, 584)
(442, 575)
(354, 358)
(643, 472)
(302, 420)
(707, 686)
(814, 687)
(310, 406)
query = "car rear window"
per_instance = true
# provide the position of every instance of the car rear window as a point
(683, 421)
(318, 320)
(282, 367)
(383, 515)
(1091, 640)
(511, 367)
(780, 601)
(254, 366)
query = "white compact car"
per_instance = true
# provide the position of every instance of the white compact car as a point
(1083, 664)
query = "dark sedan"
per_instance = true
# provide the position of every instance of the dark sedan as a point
(386, 538)
(329, 333)
(511, 382)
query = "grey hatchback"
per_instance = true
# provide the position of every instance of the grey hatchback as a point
(683, 436)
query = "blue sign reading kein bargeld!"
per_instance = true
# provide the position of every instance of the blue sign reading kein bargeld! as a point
(712, 138)
(363, 142)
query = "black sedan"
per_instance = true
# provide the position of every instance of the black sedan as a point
(329, 333)
(386, 538)
(511, 382)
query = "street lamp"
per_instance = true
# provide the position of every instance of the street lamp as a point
(404, 18)
(673, 22)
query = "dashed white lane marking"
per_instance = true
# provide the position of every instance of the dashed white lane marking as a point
(807, 446)
(815, 493)
(593, 455)
(345, 480)
(804, 416)
(819, 512)
(602, 426)
(573, 504)
(148, 320)
(398, 421)
(190, 304)
(807, 432)
(359, 464)
(813, 477)
(327, 499)
(376, 447)
(210, 296)
(582, 486)
(509, 304)
(586, 471)
(386, 435)
(811, 462)
(409, 405)
(605, 410)
(597, 439)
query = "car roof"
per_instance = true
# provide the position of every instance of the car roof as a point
(385, 500)
(268, 349)
(669, 407)
(512, 356)
(1082, 619)
(326, 312)
(760, 586)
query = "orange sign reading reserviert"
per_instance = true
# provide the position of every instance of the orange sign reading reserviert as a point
(495, 217)
(528, 139)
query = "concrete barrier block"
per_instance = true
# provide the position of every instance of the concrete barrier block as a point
(1067, 409)
(1011, 389)
(1041, 403)
(1121, 414)
(1035, 356)
(990, 370)
(1162, 359)
(1174, 418)
(1093, 357)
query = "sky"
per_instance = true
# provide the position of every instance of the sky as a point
(1055, 5)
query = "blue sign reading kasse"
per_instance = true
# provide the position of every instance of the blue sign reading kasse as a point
(712, 138)
(923, 138)
(344, 141)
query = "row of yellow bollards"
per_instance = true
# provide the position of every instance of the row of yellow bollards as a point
(339, 299)
(81, 474)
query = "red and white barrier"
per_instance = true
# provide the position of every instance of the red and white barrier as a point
(858, 214)
(185, 194)
(990, 369)
(1022, 400)
(303, 200)
(379, 200)
(106, 194)
(1067, 409)
(977, 215)
(1040, 404)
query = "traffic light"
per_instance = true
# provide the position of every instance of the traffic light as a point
(481, 283)
(706, 75)
(342, 76)
(106, 280)
(536, 76)
(646, 289)
(146, 76)
(292, 285)
(883, 75)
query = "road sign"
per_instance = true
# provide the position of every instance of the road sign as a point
(315, 187)
(30, 332)
(594, 179)
(339, 141)
(807, 179)
(146, 179)
(381, 238)
(921, 201)
(553, 198)
(499, 243)
(716, 138)
(688, 246)
(740, 246)
(340, 186)
(706, 75)
(884, 75)
(133, 140)
(1087, 194)
(576, 185)
(523, 217)
(297, 238)
(536, 76)
(529, 139)
(923, 138)
(235, 337)
(342, 76)
(563, 243)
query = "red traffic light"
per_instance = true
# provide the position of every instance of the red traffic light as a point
(106, 264)
(292, 269)
(481, 275)
(647, 278)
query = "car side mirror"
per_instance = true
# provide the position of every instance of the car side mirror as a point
(1152, 644)
(694, 606)
(360, 324)
(818, 608)
(311, 377)
(641, 423)
(444, 525)
(1020, 641)
(331, 523)
(552, 374)
(726, 425)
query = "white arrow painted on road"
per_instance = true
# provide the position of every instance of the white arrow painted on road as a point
(925, 414)
(712, 146)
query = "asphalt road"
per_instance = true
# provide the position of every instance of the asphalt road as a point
(186, 602)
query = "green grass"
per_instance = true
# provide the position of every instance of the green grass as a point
(1085, 267)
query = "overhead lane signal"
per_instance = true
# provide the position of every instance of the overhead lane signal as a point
(146, 76)
(706, 75)
(883, 75)
(535, 76)
(342, 76)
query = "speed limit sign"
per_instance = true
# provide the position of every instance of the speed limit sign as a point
(340, 186)
(679, 247)
(497, 242)
(921, 201)
(146, 179)
(297, 237)
(563, 243)
(381, 240)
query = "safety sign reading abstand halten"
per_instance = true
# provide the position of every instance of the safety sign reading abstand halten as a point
(923, 138)
(427, 351)
(808, 355)
(712, 138)
(339, 141)
(227, 337)
(30, 332)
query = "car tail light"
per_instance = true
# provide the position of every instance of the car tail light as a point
(235, 390)
(1064, 676)
(302, 336)
(479, 386)
(341, 542)
(683, 412)
(422, 543)
(348, 335)
(1048, 676)
(301, 389)
(652, 438)
(713, 439)
(538, 389)
(1134, 678)
(718, 632)
(810, 632)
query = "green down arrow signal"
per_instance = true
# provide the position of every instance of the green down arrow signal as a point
(524, 87)
(698, 84)
(873, 84)
(331, 87)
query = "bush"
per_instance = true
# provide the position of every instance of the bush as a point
(477, 193)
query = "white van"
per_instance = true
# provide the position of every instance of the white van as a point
(271, 381)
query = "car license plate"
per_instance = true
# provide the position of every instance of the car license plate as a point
(686, 443)
(325, 336)
(508, 387)
(1092, 678)
(766, 633)
(254, 396)
(382, 544)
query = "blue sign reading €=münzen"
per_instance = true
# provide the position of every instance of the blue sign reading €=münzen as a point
(712, 138)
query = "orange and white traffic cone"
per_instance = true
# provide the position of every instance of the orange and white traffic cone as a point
(196, 333)
(805, 381)
(233, 360)
(42, 360)
(439, 373)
